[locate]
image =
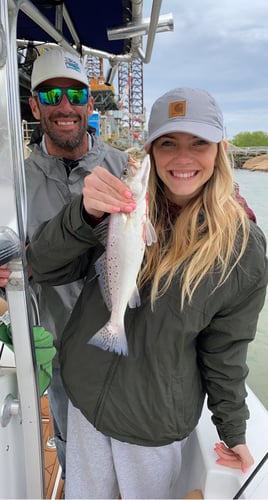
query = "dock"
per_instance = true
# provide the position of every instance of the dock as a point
(240, 155)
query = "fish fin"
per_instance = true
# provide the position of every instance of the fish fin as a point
(109, 338)
(134, 300)
(150, 234)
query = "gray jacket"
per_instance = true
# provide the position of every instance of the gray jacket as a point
(48, 190)
(155, 395)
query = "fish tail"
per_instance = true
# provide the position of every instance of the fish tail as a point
(110, 338)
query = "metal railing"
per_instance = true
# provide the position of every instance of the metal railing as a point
(248, 151)
(27, 129)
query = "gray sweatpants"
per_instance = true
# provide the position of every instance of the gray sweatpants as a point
(101, 467)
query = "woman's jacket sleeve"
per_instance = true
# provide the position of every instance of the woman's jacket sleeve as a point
(61, 248)
(223, 345)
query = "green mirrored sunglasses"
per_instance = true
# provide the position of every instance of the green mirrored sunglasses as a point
(52, 96)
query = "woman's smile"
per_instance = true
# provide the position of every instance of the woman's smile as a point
(184, 174)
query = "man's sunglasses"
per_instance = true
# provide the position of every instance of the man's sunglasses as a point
(52, 96)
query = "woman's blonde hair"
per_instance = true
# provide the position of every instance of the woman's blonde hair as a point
(204, 237)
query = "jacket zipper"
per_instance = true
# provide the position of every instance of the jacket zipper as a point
(106, 387)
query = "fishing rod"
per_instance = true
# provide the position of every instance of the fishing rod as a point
(252, 475)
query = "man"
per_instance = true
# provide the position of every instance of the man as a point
(55, 171)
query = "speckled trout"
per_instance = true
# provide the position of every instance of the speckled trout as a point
(127, 236)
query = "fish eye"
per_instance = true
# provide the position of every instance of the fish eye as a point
(125, 173)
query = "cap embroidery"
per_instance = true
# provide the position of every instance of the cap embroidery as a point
(177, 108)
(70, 63)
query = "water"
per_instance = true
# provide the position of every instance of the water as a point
(254, 187)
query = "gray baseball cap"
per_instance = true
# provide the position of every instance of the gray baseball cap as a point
(57, 63)
(189, 110)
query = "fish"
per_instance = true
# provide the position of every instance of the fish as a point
(128, 234)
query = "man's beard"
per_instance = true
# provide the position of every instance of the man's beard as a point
(68, 140)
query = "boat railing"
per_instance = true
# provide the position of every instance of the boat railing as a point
(27, 130)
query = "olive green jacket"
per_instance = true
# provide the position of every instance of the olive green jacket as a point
(155, 395)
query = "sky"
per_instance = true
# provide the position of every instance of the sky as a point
(220, 46)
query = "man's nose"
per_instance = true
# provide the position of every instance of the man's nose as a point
(65, 103)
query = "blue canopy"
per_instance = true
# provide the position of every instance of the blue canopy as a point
(90, 19)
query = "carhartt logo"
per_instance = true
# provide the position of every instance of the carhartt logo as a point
(177, 108)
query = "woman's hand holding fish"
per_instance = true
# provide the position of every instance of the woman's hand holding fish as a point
(105, 193)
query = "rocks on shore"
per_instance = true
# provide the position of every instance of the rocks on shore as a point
(256, 163)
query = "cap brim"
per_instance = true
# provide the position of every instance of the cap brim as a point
(207, 132)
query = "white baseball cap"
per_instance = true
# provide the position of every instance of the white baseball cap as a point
(57, 63)
(189, 110)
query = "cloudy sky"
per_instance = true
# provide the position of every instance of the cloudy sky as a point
(218, 46)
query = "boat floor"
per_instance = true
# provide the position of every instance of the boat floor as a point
(54, 485)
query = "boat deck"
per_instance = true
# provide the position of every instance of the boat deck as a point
(53, 483)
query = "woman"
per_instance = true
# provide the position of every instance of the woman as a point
(202, 287)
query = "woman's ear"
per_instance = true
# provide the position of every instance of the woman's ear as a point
(225, 144)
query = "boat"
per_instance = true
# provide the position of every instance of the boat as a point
(115, 34)
(200, 472)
